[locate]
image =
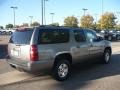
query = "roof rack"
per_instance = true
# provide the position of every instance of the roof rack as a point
(48, 26)
(53, 26)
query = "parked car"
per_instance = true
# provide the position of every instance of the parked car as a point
(6, 31)
(110, 35)
(56, 48)
(99, 34)
(118, 33)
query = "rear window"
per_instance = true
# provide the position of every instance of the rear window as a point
(21, 36)
(53, 36)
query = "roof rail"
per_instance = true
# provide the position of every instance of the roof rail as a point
(48, 26)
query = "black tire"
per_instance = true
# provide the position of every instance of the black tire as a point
(3, 32)
(7, 33)
(56, 70)
(118, 38)
(10, 32)
(106, 56)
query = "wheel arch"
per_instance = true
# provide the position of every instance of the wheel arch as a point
(64, 55)
(108, 48)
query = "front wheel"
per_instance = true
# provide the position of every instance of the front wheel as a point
(61, 70)
(106, 56)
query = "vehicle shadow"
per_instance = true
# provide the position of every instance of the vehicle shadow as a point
(83, 73)
(3, 51)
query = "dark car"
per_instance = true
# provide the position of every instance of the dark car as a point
(110, 35)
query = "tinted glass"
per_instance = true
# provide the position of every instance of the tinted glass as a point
(79, 36)
(91, 35)
(21, 37)
(53, 36)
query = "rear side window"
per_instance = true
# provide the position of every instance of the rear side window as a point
(21, 37)
(79, 36)
(53, 36)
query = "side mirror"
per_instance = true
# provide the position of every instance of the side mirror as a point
(100, 38)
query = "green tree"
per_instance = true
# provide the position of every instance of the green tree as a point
(54, 24)
(118, 27)
(98, 26)
(17, 26)
(9, 26)
(107, 21)
(25, 25)
(1, 27)
(71, 21)
(87, 21)
(35, 24)
(93, 26)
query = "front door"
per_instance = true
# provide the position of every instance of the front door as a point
(97, 47)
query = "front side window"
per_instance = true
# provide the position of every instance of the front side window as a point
(53, 36)
(79, 36)
(91, 35)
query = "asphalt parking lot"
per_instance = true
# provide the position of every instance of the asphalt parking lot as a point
(90, 76)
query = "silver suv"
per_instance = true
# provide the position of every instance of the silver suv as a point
(56, 48)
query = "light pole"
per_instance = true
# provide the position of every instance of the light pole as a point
(96, 20)
(78, 17)
(52, 14)
(84, 9)
(102, 15)
(45, 11)
(118, 16)
(31, 17)
(102, 7)
(14, 8)
(42, 11)
(96, 17)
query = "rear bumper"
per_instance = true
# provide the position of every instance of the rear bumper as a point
(30, 66)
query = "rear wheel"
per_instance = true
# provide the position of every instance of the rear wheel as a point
(61, 70)
(106, 56)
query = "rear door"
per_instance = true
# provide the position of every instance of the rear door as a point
(19, 44)
(52, 41)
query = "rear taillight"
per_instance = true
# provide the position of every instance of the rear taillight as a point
(33, 53)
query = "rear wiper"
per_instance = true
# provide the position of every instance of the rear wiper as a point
(18, 45)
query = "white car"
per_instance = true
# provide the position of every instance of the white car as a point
(6, 31)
